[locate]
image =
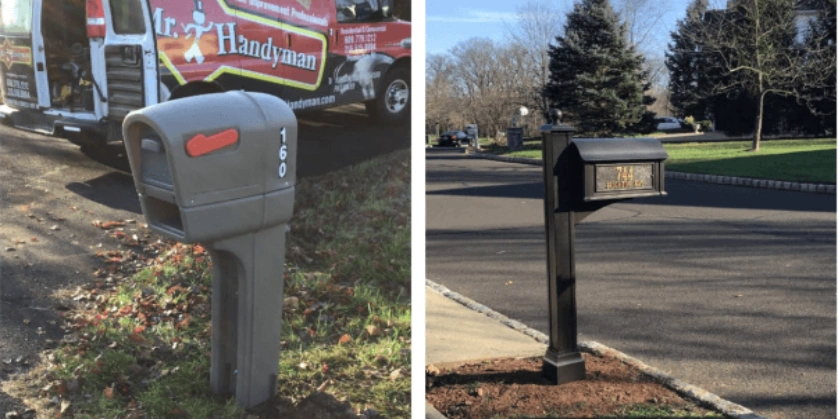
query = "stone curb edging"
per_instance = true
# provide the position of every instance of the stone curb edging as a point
(699, 177)
(684, 389)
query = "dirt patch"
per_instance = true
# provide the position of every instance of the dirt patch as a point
(514, 388)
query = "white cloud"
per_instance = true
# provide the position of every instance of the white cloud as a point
(472, 16)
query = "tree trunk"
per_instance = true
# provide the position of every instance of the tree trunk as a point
(758, 132)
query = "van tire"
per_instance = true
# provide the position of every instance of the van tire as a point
(392, 105)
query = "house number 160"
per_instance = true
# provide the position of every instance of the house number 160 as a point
(283, 154)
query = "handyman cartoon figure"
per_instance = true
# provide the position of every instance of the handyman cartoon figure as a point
(364, 74)
(199, 17)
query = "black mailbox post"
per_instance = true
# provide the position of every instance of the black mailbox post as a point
(580, 177)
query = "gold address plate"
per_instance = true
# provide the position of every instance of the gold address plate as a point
(623, 177)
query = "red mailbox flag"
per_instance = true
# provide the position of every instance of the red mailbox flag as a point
(201, 144)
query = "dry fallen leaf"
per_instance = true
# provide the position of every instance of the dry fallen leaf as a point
(108, 392)
(373, 330)
(345, 339)
(107, 225)
(396, 374)
(323, 386)
(291, 303)
(65, 406)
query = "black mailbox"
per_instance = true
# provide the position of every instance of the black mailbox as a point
(617, 168)
(581, 176)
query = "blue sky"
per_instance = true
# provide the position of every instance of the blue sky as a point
(452, 21)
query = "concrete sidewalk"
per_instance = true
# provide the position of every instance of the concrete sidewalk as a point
(464, 330)
(454, 333)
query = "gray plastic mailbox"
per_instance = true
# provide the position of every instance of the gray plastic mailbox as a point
(220, 169)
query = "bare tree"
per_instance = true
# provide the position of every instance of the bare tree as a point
(751, 46)
(536, 25)
(641, 19)
(439, 92)
(487, 86)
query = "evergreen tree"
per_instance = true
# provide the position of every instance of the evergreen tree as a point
(596, 77)
(821, 45)
(688, 81)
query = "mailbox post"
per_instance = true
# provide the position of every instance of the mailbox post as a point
(220, 169)
(580, 177)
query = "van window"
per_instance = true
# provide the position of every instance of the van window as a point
(363, 11)
(127, 17)
(16, 16)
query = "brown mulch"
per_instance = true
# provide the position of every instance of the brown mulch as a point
(514, 388)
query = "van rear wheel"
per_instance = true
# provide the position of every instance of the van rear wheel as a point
(392, 105)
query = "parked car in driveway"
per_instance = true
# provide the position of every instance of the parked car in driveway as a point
(453, 138)
(667, 123)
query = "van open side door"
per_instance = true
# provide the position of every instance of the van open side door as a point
(23, 70)
(130, 57)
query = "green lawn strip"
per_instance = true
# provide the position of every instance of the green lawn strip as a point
(531, 150)
(787, 160)
(143, 345)
(646, 411)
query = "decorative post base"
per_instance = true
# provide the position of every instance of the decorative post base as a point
(563, 368)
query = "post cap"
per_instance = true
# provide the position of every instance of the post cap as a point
(554, 124)
(555, 116)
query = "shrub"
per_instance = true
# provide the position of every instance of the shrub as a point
(689, 120)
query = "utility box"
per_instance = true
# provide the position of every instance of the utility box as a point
(617, 168)
(220, 169)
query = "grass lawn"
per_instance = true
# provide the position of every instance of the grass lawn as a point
(532, 149)
(139, 345)
(788, 160)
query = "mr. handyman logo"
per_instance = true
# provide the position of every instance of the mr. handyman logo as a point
(11, 54)
(199, 17)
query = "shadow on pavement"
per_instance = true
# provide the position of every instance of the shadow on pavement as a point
(692, 194)
(114, 190)
(111, 155)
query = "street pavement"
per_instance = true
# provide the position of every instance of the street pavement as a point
(731, 289)
(48, 182)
